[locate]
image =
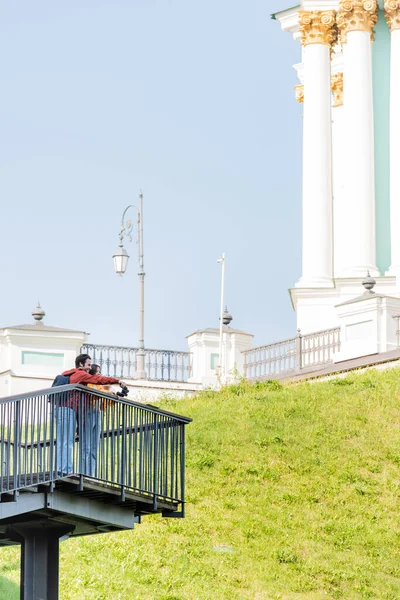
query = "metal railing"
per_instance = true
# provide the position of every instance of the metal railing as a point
(72, 431)
(292, 355)
(160, 365)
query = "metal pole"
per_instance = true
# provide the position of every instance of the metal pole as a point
(126, 230)
(141, 373)
(39, 557)
(221, 367)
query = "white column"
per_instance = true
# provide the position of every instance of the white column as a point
(392, 13)
(317, 28)
(356, 21)
(338, 169)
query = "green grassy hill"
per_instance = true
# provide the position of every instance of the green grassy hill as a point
(293, 493)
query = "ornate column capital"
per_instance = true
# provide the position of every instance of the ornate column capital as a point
(392, 14)
(337, 89)
(357, 15)
(318, 27)
(299, 91)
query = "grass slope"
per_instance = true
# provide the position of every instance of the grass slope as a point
(293, 493)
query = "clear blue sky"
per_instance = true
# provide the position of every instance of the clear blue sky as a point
(191, 101)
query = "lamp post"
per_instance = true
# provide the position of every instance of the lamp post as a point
(221, 316)
(121, 258)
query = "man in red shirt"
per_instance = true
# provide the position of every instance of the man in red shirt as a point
(81, 375)
(78, 409)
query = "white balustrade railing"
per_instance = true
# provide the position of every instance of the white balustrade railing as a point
(318, 348)
(292, 355)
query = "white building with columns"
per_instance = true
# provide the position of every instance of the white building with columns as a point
(349, 86)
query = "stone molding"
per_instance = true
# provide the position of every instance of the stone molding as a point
(318, 27)
(299, 91)
(357, 15)
(392, 14)
(337, 89)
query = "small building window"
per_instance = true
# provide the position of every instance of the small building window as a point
(214, 361)
(47, 359)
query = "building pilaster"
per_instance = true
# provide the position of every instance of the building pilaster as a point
(392, 14)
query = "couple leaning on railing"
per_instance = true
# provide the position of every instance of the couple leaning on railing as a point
(81, 412)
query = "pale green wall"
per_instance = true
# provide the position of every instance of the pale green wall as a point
(381, 85)
(49, 359)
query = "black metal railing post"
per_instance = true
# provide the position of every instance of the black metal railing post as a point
(52, 444)
(123, 451)
(155, 462)
(182, 458)
(17, 435)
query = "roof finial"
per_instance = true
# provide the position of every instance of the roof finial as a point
(226, 317)
(38, 313)
(369, 283)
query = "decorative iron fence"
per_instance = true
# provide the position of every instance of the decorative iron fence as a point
(292, 355)
(67, 431)
(160, 365)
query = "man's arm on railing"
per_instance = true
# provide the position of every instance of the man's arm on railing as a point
(83, 378)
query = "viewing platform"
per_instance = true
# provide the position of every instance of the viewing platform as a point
(76, 461)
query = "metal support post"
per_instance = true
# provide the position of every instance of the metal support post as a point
(39, 557)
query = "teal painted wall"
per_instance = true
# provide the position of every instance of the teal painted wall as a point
(381, 88)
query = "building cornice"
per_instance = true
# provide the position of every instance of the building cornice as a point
(288, 19)
(343, 283)
(9, 334)
(212, 331)
(34, 328)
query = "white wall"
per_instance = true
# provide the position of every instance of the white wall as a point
(315, 309)
(30, 358)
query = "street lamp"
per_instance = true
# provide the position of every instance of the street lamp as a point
(121, 258)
